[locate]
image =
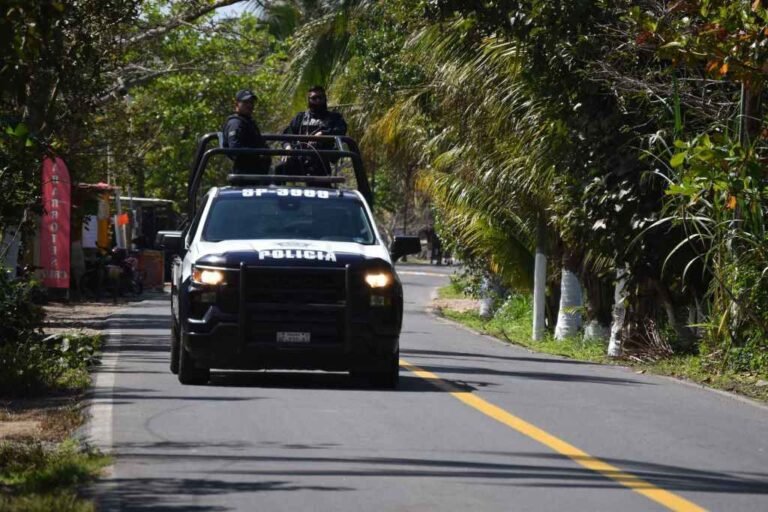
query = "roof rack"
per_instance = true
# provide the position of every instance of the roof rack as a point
(352, 151)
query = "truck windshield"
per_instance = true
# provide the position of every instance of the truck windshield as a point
(276, 213)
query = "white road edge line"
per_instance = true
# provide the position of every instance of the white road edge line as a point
(99, 431)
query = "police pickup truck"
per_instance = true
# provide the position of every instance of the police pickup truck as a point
(285, 272)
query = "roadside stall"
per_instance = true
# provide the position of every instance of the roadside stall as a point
(99, 223)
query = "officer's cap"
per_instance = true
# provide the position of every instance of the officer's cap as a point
(245, 95)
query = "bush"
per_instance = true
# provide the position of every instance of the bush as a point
(19, 315)
(40, 362)
(29, 360)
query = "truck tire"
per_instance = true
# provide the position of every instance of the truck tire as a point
(388, 376)
(175, 344)
(188, 372)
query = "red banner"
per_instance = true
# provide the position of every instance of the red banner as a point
(54, 231)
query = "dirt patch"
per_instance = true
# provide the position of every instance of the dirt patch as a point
(85, 317)
(460, 305)
(14, 429)
(49, 419)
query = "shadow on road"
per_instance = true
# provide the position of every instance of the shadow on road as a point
(174, 494)
(279, 473)
(445, 354)
(673, 478)
(323, 380)
(141, 321)
(442, 370)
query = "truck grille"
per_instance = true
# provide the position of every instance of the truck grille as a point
(294, 299)
(296, 286)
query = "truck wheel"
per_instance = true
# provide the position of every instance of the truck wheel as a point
(188, 373)
(389, 376)
(175, 344)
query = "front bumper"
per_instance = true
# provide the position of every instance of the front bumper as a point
(237, 325)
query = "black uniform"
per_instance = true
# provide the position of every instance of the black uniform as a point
(241, 132)
(309, 123)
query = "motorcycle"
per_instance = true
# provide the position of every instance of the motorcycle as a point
(127, 277)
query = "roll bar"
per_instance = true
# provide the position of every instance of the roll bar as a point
(203, 155)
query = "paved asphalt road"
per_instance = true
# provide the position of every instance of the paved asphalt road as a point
(503, 429)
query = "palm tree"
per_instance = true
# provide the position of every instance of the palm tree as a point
(569, 313)
(320, 33)
(481, 145)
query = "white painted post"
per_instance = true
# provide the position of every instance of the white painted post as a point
(569, 315)
(539, 280)
(619, 313)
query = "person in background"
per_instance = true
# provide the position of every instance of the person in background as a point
(240, 131)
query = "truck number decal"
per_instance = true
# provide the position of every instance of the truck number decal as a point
(285, 192)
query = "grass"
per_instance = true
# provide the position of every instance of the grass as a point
(37, 476)
(512, 323)
(41, 467)
(451, 291)
(700, 370)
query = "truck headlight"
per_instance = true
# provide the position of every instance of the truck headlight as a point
(208, 276)
(378, 279)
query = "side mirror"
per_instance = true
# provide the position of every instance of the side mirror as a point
(403, 245)
(170, 241)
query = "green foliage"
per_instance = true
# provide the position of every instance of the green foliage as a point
(455, 290)
(718, 193)
(33, 363)
(20, 316)
(165, 116)
(19, 155)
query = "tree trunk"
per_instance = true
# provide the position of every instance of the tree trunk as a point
(619, 314)
(598, 300)
(569, 313)
(540, 279)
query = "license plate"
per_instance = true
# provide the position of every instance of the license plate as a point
(293, 337)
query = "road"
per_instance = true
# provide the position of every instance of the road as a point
(475, 425)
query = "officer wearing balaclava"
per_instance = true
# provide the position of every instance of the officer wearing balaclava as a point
(316, 120)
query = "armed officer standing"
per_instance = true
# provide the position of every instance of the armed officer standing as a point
(316, 120)
(240, 131)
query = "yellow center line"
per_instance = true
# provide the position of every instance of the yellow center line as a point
(667, 499)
